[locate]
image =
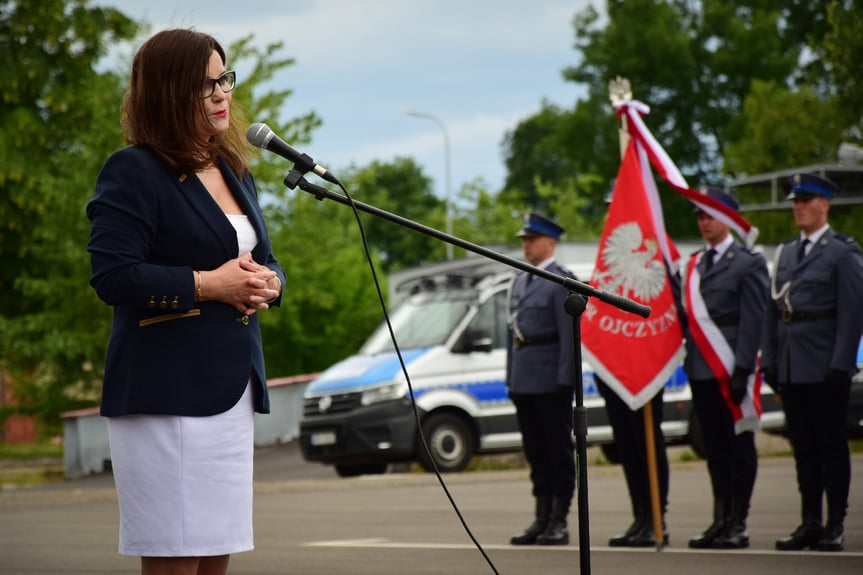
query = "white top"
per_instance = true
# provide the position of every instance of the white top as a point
(246, 236)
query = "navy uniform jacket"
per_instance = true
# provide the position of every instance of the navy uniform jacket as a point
(828, 282)
(735, 291)
(547, 366)
(150, 228)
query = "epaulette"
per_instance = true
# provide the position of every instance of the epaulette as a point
(843, 238)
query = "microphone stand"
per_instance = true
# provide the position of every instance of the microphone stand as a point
(575, 304)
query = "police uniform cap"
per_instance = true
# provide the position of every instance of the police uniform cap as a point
(720, 196)
(811, 185)
(533, 224)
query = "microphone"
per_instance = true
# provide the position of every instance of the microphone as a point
(261, 136)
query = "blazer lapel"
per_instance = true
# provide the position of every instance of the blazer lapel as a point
(244, 196)
(814, 252)
(725, 260)
(212, 215)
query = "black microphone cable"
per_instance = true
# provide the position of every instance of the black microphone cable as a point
(408, 379)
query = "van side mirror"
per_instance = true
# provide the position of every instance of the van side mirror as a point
(474, 340)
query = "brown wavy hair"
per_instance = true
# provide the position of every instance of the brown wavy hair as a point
(162, 108)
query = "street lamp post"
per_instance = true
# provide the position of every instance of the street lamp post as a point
(437, 121)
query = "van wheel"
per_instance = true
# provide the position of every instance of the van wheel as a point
(450, 441)
(696, 436)
(357, 470)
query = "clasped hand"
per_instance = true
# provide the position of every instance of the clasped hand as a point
(242, 283)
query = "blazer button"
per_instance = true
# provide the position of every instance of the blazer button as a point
(243, 320)
(176, 303)
(164, 303)
(152, 303)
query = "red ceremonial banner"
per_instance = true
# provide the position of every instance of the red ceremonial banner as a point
(635, 356)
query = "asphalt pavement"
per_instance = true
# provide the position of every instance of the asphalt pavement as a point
(310, 522)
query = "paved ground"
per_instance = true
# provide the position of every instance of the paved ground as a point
(307, 521)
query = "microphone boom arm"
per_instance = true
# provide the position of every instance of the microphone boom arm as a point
(295, 178)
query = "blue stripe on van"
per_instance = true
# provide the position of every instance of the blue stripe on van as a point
(495, 391)
(359, 370)
(492, 391)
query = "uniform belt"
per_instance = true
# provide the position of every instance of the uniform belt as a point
(726, 320)
(539, 340)
(807, 314)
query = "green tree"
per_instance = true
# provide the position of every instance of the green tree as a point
(400, 188)
(780, 127)
(60, 121)
(330, 304)
(842, 52)
(485, 218)
(694, 64)
(56, 119)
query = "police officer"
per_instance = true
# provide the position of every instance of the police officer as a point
(539, 379)
(725, 296)
(809, 356)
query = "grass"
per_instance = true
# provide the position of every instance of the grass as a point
(30, 450)
(30, 464)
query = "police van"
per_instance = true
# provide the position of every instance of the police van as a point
(450, 324)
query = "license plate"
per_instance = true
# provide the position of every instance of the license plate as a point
(323, 438)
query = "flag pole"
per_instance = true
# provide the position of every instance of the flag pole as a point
(619, 90)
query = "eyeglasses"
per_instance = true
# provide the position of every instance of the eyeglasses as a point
(226, 82)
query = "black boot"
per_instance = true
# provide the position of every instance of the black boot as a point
(645, 538)
(734, 536)
(806, 535)
(809, 533)
(556, 533)
(542, 517)
(721, 511)
(639, 510)
(833, 537)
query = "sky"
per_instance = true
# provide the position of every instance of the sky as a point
(478, 67)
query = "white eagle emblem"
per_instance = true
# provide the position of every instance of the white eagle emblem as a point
(631, 269)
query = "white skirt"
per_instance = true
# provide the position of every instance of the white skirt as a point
(184, 484)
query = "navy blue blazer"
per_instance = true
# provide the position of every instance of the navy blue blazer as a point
(151, 227)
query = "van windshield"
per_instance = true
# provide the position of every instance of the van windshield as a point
(422, 320)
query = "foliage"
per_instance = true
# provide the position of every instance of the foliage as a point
(330, 304)
(400, 188)
(733, 87)
(842, 52)
(57, 118)
(780, 127)
(484, 218)
(60, 121)
(30, 450)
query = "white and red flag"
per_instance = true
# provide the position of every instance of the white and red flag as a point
(632, 111)
(635, 356)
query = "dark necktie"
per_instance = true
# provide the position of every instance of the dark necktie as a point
(711, 253)
(801, 251)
